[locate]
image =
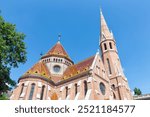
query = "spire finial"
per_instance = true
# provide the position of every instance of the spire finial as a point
(59, 37)
(101, 13)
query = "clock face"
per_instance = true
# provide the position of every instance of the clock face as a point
(56, 68)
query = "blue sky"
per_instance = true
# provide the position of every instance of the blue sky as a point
(78, 21)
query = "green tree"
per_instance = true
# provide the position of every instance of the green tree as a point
(4, 97)
(12, 53)
(137, 91)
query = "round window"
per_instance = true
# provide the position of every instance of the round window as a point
(56, 68)
(102, 88)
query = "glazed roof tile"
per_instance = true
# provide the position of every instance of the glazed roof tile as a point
(78, 68)
(41, 69)
(57, 50)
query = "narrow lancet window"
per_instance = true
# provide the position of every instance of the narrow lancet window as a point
(22, 87)
(105, 46)
(31, 91)
(110, 45)
(42, 93)
(76, 89)
(109, 67)
(66, 92)
(85, 88)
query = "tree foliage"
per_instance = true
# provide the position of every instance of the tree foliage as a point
(137, 91)
(4, 97)
(12, 53)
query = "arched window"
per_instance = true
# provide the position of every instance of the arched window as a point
(109, 67)
(31, 91)
(114, 96)
(22, 87)
(113, 86)
(102, 88)
(66, 92)
(85, 88)
(42, 92)
(76, 89)
(110, 45)
(105, 46)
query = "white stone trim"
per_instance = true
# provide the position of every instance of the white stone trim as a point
(119, 84)
(97, 92)
(94, 80)
(79, 83)
(89, 79)
(70, 85)
(94, 62)
(87, 97)
(62, 88)
(49, 88)
(68, 97)
(111, 97)
(26, 83)
(38, 96)
(39, 84)
(22, 95)
(77, 96)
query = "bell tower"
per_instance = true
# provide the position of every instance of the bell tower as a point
(110, 57)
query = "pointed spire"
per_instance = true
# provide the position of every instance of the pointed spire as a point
(105, 33)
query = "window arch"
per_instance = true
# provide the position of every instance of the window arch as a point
(109, 67)
(32, 91)
(85, 88)
(105, 46)
(113, 86)
(42, 92)
(110, 45)
(22, 87)
(76, 89)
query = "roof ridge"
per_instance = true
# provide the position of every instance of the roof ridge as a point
(85, 60)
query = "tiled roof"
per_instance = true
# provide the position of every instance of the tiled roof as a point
(78, 68)
(41, 69)
(57, 50)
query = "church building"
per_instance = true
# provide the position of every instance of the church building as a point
(56, 77)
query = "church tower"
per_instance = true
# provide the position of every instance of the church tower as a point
(119, 85)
